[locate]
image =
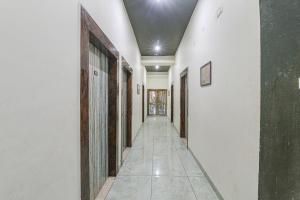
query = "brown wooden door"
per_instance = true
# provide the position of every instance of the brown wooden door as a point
(129, 109)
(143, 103)
(172, 103)
(184, 104)
(124, 107)
(126, 121)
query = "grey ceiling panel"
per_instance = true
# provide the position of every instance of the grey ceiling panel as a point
(159, 20)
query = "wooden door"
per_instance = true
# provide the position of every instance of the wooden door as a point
(126, 105)
(143, 103)
(172, 103)
(126, 102)
(184, 104)
(124, 111)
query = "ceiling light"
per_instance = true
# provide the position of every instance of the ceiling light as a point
(157, 66)
(157, 48)
(157, 1)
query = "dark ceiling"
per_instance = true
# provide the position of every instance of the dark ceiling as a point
(160, 69)
(159, 21)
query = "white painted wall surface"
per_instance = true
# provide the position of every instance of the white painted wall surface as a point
(224, 118)
(158, 60)
(157, 80)
(40, 96)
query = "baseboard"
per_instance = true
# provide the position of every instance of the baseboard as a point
(220, 197)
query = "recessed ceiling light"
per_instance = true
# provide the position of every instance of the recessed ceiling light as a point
(157, 67)
(157, 48)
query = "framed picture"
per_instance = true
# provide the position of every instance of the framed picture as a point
(205, 74)
(138, 89)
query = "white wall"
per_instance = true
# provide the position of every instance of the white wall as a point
(157, 80)
(40, 96)
(158, 60)
(224, 118)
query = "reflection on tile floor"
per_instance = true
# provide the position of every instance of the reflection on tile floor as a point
(159, 167)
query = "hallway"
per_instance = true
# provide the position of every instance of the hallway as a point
(159, 167)
(150, 100)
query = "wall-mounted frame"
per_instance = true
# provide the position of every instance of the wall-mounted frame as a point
(205, 74)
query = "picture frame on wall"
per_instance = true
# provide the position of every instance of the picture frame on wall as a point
(138, 89)
(205, 74)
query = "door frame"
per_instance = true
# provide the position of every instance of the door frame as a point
(126, 68)
(148, 91)
(183, 93)
(172, 103)
(143, 103)
(91, 33)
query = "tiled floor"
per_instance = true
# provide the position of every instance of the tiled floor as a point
(159, 167)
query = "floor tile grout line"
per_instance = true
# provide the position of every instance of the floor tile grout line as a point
(156, 176)
(193, 176)
(177, 149)
(189, 180)
(152, 166)
(192, 187)
(132, 175)
(187, 175)
(116, 177)
(110, 188)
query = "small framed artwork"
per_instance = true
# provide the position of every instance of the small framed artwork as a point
(138, 89)
(205, 74)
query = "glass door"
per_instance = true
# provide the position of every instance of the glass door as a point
(157, 102)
